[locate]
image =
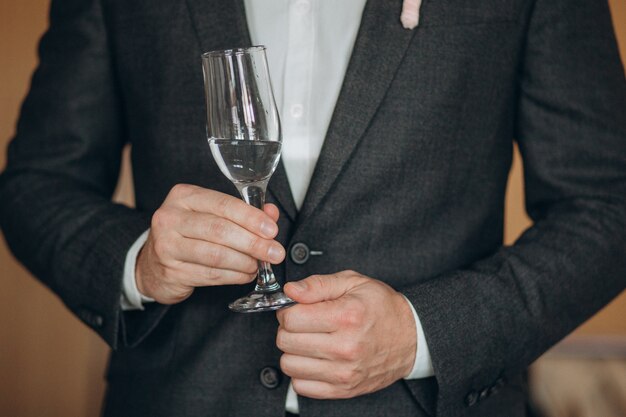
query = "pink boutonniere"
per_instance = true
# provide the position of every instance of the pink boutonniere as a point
(410, 16)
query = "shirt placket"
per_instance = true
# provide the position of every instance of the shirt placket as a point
(297, 97)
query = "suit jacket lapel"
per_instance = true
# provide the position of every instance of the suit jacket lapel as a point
(222, 25)
(219, 24)
(378, 50)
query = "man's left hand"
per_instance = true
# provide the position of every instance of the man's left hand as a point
(348, 336)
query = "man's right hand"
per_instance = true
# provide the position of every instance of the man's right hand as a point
(201, 237)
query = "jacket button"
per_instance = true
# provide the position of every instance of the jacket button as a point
(300, 253)
(471, 399)
(500, 382)
(91, 318)
(98, 321)
(484, 394)
(269, 377)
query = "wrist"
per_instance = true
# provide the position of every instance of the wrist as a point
(407, 334)
(132, 298)
(141, 266)
(139, 272)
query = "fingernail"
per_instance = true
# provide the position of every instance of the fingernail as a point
(269, 229)
(275, 253)
(298, 285)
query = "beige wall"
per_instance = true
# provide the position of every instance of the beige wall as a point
(52, 365)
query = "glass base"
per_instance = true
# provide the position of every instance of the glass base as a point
(258, 301)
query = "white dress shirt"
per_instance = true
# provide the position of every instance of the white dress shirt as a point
(309, 44)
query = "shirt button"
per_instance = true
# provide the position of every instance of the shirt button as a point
(303, 7)
(269, 377)
(297, 111)
(300, 253)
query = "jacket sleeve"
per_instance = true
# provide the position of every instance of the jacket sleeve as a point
(487, 323)
(56, 211)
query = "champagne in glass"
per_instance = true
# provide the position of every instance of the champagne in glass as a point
(244, 135)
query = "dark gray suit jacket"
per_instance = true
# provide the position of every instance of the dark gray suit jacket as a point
(409, 189)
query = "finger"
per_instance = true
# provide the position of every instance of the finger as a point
(312, 345)
(321, 317)
(303, 367)
(272, 211)
(195, 275)
(317, 288)
(223, 205)
(210, 255)
(318, 390)
(208, 227)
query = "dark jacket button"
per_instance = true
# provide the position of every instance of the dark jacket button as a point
(471, 399)
(92, 319)
(484, 394)
(300, 253)
(98, 321)
(269, 377)
(495, 388)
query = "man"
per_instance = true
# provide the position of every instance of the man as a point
(408, 191)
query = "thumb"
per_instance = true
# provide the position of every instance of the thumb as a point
(318, 288)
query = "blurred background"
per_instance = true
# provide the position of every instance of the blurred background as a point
(52, 365)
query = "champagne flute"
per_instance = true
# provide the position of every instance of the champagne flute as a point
(243, 129)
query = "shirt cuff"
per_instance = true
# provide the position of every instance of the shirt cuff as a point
(423, 366)
(132, 299)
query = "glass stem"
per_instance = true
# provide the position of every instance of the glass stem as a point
(254, 194)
